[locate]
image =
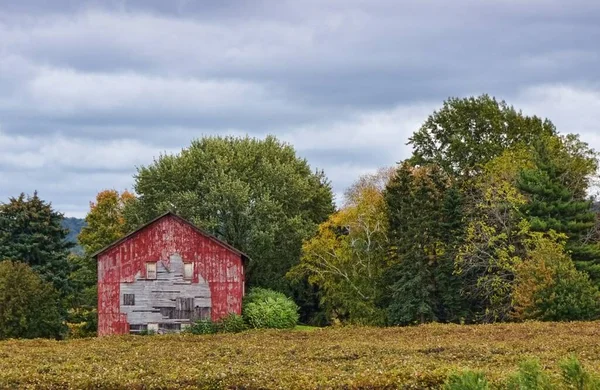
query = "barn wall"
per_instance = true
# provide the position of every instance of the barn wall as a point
(215, 265)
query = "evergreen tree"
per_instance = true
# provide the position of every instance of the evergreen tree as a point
(31, 232)
(423, 212)
(556, 188)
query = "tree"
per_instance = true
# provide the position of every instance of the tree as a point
(31, 232)
(347, 259)
(424, 209)
(494, 242)
(556, 188)
(29, 307)
(105, 223)
(467, 133)
(257, 195)
(549, 288)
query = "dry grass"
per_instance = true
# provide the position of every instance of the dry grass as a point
(413, 357)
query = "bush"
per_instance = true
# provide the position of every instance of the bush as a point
(467, 380)
(202, 327)
(576, 377)
(29, 307)
(269, 309)
(530, 376)
(232, 323)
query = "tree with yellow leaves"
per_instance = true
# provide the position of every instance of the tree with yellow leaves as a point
(346, 259)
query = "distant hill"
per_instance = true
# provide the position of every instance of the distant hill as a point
(74, 225)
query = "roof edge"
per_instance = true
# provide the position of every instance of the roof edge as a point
(211, 237)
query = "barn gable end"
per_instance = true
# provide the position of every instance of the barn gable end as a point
(164, 276)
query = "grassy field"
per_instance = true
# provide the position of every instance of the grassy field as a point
(413, 357)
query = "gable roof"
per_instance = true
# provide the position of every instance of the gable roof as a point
(222, 243)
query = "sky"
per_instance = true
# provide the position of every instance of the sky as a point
(90, 90)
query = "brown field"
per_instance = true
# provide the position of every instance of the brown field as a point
(412, 357)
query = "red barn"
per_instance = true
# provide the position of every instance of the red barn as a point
(165, 275)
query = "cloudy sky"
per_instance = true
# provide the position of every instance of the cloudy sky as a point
(91, 89)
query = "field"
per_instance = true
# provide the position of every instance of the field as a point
(413, 357)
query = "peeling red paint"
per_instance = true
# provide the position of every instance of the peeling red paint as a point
(218, 264)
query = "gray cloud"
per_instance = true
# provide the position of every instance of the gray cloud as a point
(89, 90)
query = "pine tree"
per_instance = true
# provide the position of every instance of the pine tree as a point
(423, 214)
(557, 203)
(31, 232)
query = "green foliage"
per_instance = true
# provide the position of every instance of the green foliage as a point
(202, 327)
(467, 380)
(576, 377)
(257, 195)
(556, 188)
(29, 306)
(269, 309)
(530, 376)
(347, 257)
(232, 323)
(424, 211)
(31, 232)
(466, 133)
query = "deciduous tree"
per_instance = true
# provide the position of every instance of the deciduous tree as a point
(29, 306)
(467, 133)
(257, 195)
(347, 259)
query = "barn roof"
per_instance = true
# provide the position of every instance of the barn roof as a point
(172, 214)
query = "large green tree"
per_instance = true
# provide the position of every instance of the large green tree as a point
(256, 194)
(31, 232)
(29, 306)
(467, 133)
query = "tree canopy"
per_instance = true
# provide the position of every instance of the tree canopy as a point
(466, 133)
(257, 195)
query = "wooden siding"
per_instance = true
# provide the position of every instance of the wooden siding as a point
(217, 285)
(168, 299)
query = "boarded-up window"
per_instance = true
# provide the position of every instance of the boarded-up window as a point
(202, 313)
(184, 308)
(150, 270)
(188, 270)
(129, 299)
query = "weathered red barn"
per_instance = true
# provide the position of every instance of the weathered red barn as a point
(165, 275)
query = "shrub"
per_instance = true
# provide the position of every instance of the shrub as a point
(467, 380)
(232, 323)
(530, 376)
(269, 309)
(576, 377)
(202, 327)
